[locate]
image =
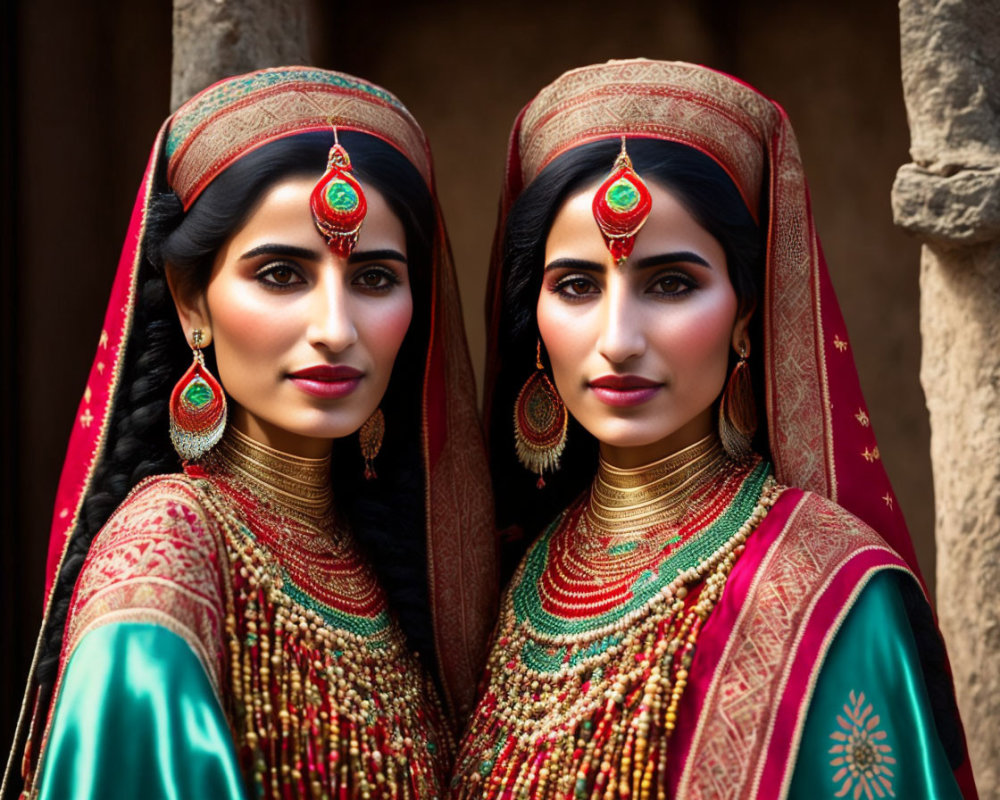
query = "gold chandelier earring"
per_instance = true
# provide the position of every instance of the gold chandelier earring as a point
(737, 410)
(197, 406)
(370, 437)
(540, 420)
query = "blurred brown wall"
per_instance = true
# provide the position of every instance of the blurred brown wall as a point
(88, 84)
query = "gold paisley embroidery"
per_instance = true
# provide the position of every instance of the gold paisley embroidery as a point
(862, 756)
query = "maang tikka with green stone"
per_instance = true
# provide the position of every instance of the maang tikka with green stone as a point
(338, 203)
(621, 206)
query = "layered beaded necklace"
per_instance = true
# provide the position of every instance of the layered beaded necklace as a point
(599, 626)
(328, 701)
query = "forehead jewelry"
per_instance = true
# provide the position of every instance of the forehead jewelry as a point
(338, 204)
(621, 206)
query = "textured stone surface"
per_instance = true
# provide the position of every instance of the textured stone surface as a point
(950, 78)
(217, 38)
(950, 197)
(963, 208)
(960, 305)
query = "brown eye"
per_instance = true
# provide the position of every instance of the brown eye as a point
(376, 279)
(280, 276)
(573, 287)
(672, 286)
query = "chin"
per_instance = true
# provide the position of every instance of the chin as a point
(316, 424)
(628, 433)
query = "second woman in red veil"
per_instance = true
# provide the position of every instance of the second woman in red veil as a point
(719, 597)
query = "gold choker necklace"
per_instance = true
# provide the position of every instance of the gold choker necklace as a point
(289, 484)
(657, 495)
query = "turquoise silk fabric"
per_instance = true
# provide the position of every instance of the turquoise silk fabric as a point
(870, 732)
(137, 716)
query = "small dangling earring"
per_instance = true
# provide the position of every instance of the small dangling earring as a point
(738, 411)
(370, 436)
(197, 407)
(540, 421)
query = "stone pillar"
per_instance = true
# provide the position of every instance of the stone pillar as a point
(214, 39)
(949, 196)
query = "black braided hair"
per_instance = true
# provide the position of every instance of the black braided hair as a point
(388, 514)
(709, 195)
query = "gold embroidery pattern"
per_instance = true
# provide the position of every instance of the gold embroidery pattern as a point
(798, 415)
(155, 561)
(728, 750)
(462, 567)
(645, 98)
(297, 107)
(862, 756)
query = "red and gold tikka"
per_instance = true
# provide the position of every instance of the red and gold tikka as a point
(621, 206)
(337, 202)
(328, 700)
(598, 630)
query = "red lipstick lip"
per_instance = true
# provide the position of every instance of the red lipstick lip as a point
(624, 390)
(327, 372)
(327, 380)
(624, 383)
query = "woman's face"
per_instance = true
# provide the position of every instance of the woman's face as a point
(639, 352)
(304, 340)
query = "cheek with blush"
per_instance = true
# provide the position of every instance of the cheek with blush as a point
(382, 328)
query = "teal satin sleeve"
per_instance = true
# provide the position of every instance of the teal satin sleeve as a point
(137, 716)
(869, 721)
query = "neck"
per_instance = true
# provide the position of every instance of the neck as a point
(289, 483)
(631, 500)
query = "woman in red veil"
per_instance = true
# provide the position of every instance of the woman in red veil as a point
(271, 571)
(727, 602)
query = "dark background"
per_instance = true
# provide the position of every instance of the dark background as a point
(86, 85)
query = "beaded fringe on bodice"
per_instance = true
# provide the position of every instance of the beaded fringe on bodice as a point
(598, 629)
(327, 699)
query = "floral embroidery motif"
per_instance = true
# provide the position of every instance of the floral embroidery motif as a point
(888, 500)
(862, 418)
(862, 757)
(871, 455)
(839, 343)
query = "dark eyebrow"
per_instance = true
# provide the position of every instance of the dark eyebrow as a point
(376, 255)
(682, 257)
(574, 263)
(282, 250)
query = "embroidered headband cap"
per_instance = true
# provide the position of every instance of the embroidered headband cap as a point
(673, 101)
(234, 116)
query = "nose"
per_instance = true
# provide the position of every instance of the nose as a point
(331, 321)
(621, 337)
